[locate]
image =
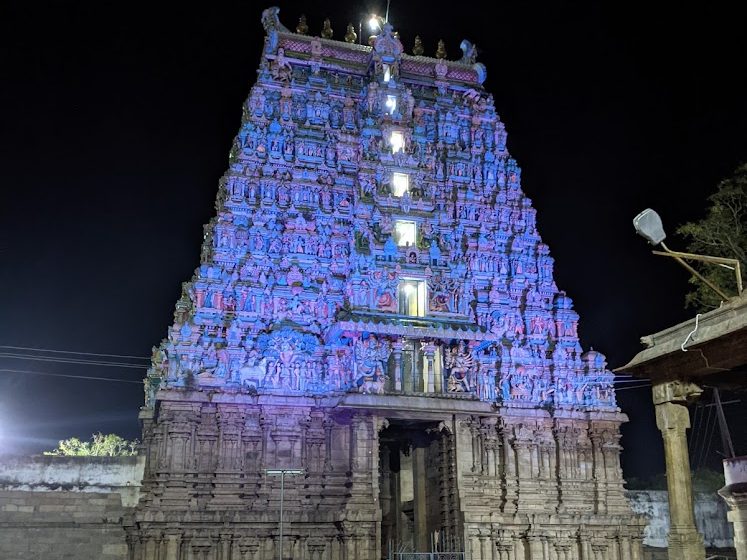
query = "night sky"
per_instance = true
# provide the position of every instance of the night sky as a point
(118, 118)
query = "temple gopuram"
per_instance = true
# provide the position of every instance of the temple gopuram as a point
(374, 317)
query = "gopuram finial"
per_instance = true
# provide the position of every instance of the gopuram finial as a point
(302, 28)
(350, 35)
(417, 48)
(327, 29)
(441, 50)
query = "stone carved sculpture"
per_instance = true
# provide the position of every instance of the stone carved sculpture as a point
(460, 364)
(371, 355)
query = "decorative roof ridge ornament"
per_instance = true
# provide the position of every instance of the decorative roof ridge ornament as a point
(469, 57)
(272, 26)
(469, 52)
(387, 46)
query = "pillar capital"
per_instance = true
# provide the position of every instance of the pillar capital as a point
(675, 391)
(671, 417)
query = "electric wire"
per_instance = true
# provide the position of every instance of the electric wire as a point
(90, 377)
(705, 443)
(636, 387)
(692, 442)
(710, 442)
(26, 348)
(72, 361)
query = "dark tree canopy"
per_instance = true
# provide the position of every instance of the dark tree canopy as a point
(721, 233)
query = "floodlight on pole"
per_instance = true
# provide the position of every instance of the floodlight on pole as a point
(649, 226)
(282, 473)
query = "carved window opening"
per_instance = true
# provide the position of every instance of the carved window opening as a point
(411, 297)
(387, 73)
(420, 371)
(397, 141)
(405, 233)
(400, 183)
(391, 104)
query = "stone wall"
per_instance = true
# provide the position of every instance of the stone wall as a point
(66, 507)
(710, 517)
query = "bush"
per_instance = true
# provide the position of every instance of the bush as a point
(109, 445)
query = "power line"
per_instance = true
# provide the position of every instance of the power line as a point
(72, 361)
(710, 439)
(694, 432)
(71, 376)
(706, 439)
(72, 352)
(636, 387)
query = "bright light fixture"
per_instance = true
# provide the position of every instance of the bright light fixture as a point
(400, 183)
(648, 225)
(397, 141)
(406, 232)
(391, 104)
(373, 23)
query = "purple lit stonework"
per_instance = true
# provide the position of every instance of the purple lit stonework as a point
(375, 306)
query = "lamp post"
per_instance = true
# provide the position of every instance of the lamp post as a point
(281, 473)
(648, 225)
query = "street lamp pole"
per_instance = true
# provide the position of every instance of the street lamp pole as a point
(281, 473)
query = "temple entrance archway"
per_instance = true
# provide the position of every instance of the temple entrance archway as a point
(417, 489)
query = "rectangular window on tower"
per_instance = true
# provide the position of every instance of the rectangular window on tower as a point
(400, 183)
(411, 296)
(387, 73)
(391, 104)
(405, 233)
(397, 141)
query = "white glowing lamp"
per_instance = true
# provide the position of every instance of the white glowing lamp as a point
(400, 183)
(397, 141)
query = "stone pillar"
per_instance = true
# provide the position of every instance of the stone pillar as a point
(735, 495)
(397, 353)
(172, 546)
(419, 507)
(673, 419)
(385, 496)
(225, 546)
(396, 501)
(429, 351)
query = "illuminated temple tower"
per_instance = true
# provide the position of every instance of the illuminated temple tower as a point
(375, 307)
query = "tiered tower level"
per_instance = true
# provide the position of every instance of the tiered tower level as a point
(375, 307)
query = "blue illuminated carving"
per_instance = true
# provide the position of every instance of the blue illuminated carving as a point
(297, 289)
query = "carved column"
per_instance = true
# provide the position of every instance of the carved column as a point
(429, 351)
(673, 419)
(420, 512)
(172, 546)
(735, 495)
(225, 546)
(397, 353)
(385, 495)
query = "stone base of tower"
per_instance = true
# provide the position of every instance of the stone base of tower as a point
(380, 475)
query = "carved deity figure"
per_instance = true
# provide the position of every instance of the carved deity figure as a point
(460, 363)
(371, 356)
(281, 69)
